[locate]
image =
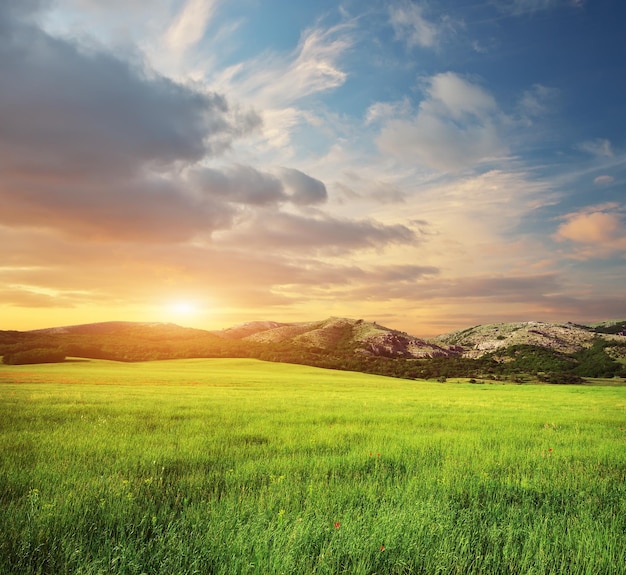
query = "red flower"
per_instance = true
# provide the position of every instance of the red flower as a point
(337, 525)
(378, 454)
(550, 449)
(382, 547)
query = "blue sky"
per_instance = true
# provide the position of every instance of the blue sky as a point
(429, 165)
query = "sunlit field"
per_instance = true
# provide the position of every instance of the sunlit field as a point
(244, 467)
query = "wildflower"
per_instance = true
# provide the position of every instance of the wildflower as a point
(337, 525)
(371, 454)
(382, 547)
(378, 455)
(550, 449)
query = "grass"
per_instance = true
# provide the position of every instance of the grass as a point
(245, 467)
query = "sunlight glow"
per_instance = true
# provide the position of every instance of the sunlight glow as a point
(183, 308)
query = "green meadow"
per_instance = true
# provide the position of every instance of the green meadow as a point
(244, 467)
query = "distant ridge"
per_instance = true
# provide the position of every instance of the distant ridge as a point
(557, 352)
(106, 327)
(370, 338)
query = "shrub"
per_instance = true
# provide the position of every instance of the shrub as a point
(34, 356)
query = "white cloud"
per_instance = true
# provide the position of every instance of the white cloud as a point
(456, 126)
(278, 83)
(190, 25)
(274, 80)
(459, 97)
(410, 25)
(380, 111)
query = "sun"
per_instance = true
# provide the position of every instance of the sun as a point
(183, 308)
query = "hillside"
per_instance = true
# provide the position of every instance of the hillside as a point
(565, 338)
(356, 336)
(558, 352)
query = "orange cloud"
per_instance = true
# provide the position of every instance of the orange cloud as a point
(598, 231)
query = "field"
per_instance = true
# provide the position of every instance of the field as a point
(243, 467)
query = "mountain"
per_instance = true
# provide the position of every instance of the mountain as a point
(335, 333)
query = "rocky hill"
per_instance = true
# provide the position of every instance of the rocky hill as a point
(350, 335)
(566, 338)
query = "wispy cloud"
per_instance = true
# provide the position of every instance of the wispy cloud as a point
(277, 80)
(600, 147)
(189, 25)
(410, 25)
(279, 84)
(537, 101)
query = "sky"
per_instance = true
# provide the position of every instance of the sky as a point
(426, 165)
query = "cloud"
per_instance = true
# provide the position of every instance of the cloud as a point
(380, 111)
(275, 80)
(537, 101)
(596, 231)
(293, 233)
(304, 190)
(91, 145)
(369, 189)
(66, 108)
(239, 184)
(190, 24)
(600, 147)
(409, 24)
(281, 83)
(603, 180)
(456, 126)
(39, 269)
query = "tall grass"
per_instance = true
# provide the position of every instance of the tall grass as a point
(245, 467)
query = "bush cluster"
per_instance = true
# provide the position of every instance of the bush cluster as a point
(34, 356)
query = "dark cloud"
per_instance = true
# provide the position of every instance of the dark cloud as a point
(246, 185)
(304, 189)
(239, 184)
(291, 232)
(87, 141)
(64, 109)
(148, 208)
